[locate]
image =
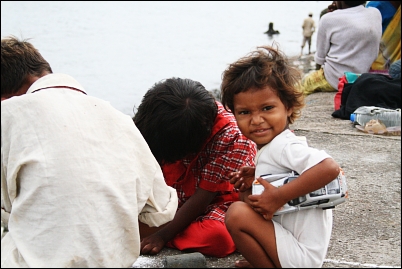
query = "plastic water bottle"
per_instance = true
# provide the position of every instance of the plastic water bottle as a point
(363, 114)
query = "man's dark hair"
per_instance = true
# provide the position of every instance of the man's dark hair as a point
(176, 117)
(19, 59)
(354, 3)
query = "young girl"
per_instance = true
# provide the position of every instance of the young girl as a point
(260, 89)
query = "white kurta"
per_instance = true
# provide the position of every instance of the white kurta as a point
(302, 237)
(76, 175)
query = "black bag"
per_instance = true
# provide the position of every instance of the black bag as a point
(369, 90)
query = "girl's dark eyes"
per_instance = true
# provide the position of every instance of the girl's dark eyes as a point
(245, 112)
(267, 108)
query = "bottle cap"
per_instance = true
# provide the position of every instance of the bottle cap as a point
(352, 117)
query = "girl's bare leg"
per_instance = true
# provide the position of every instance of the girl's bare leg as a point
(253, 235)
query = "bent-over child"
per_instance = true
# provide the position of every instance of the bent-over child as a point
(261, 91)
(197, 143)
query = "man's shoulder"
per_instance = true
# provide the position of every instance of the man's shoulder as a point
(55, 80)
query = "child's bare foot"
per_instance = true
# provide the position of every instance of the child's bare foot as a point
(243, 264)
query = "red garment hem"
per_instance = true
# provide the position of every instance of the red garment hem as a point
(209, 237)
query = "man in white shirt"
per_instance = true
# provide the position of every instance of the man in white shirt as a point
(76, 174)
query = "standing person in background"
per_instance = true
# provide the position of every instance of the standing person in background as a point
(198, 144)
(348, 40)
(308, 30)
(76, 174)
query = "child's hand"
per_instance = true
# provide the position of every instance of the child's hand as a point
(152, 244)
(243, 179)
(268, 202)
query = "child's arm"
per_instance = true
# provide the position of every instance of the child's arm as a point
(191, 209)
(243, 179)
(312, 179)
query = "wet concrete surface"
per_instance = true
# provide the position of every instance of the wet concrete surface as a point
(367, 227)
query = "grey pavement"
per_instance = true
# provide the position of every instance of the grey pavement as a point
(367, 227)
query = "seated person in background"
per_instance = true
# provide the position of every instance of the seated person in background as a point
(198, 144)
(390, 44)
(348, 39)
(76, 174)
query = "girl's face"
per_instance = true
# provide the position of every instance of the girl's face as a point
(260, 115)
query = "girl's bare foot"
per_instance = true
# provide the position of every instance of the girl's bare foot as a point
(243, 264)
